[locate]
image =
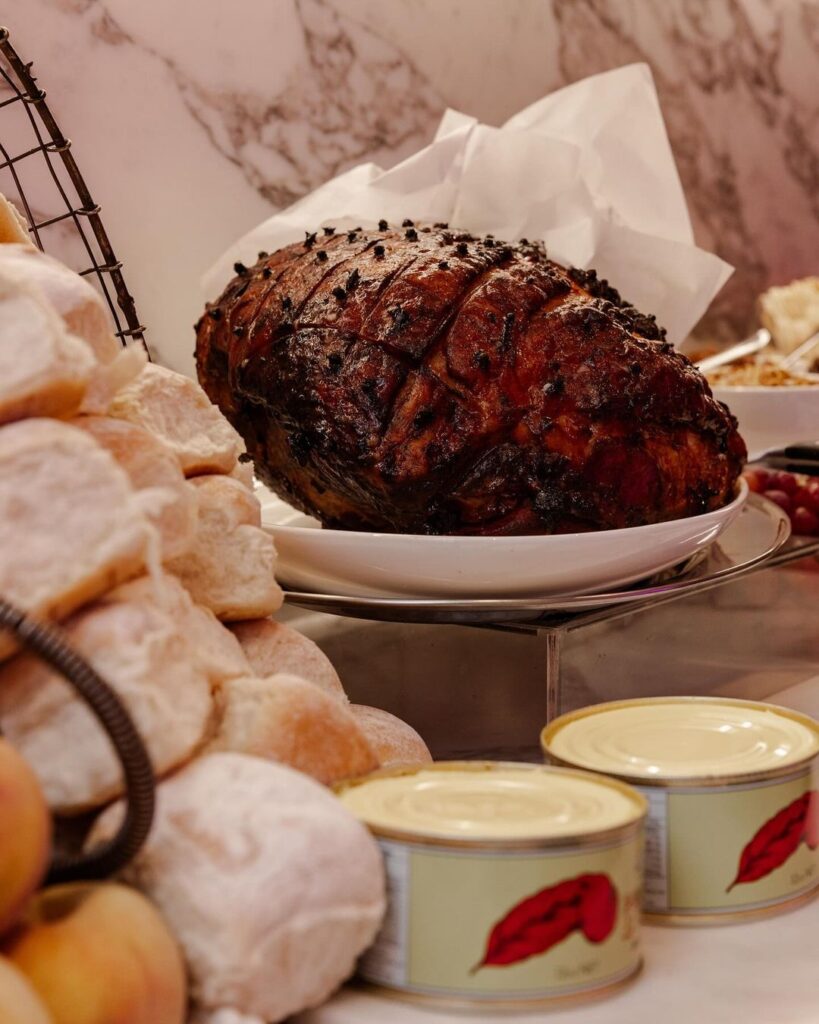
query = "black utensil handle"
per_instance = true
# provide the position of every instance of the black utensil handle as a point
(48, 643)
(806, 467)
(802, 451)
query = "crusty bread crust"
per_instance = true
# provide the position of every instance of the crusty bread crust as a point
(13, 225)
(272, 647)
(286, 719)
(392, 740)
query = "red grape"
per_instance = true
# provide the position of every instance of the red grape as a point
(805, 522)
(756, 482)
(780, 481)
(812, 490)
(762, 476)
(780, 498)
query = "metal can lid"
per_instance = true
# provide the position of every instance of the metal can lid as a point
(671, 739)
(496, 802)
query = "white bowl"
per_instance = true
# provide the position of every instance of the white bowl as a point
(773, 417)
(362, 564)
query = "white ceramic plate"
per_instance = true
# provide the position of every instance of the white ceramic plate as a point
(773, 417)
(361, 564)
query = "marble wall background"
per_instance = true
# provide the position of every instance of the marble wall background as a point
(193, 119)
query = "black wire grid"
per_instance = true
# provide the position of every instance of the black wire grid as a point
(49, 167)
(42, 159)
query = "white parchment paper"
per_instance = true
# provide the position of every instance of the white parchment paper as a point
(588, 170)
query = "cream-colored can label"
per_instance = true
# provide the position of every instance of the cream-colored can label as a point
(716, 849)
(489, 925)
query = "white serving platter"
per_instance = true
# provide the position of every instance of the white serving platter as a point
(381, 565)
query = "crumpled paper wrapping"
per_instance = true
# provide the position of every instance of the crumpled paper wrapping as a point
(588, 170)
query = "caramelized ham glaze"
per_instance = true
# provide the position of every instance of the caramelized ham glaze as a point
(421, 380)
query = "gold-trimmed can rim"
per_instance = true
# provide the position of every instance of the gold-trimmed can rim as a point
(550, 730)
(587, 838)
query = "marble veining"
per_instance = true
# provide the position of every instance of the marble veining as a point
(193, 121)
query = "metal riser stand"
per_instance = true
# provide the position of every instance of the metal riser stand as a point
(487, 692)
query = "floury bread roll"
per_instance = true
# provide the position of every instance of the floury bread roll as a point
(71, 526)
(791, 312)
(286, 719)
(272, 647)
(392, 741)
(178, 412)
(71, 296)
(13, 225)
(151, 466)
(44, 370)
(231, 566)
(212, 647)
(270, 885)
(144, 652)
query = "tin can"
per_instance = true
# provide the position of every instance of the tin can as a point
(731, 787)
(509, 886)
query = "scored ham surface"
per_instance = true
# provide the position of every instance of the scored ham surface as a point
(422, 380)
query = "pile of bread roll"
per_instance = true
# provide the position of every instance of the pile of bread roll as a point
(127, 514)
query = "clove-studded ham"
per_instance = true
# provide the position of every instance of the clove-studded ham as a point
(422, 380)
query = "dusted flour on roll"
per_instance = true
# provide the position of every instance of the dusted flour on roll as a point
(270, 885)
(179, 412)
(151, 466)
(231, 566)
(44, 370)
(212, 647)
(272, 647)
(289, 720)
(143, 651)
(71, 526)
(393, 742)
(78, 304)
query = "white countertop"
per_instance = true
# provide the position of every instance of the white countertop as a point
(761, 972)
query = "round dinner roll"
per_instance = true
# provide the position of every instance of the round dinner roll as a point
(272, 647)
(213, 648)
(144, 653)
(13, 225)
(231, 565)
(44, 370)
(286, 719)
(178, 412)
(270, 885)
(78, 304)
(151, 466)
(71, 526)
(393, 741)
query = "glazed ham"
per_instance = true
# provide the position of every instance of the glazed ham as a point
(422, 380)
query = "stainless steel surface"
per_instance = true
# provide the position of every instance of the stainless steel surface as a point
(761, 339)
(757, 535)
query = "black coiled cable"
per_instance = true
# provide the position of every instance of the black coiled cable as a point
(48, 643)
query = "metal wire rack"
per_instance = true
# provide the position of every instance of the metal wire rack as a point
(36, 160)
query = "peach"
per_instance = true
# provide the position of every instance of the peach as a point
(100, 954)
(19, 1003)
(25, 828)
